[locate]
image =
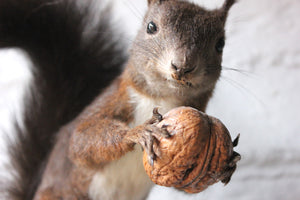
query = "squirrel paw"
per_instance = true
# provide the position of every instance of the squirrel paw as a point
(148, 134)
(232, 164)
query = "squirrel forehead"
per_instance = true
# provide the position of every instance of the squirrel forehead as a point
(183, 16)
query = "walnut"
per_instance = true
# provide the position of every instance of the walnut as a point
(199, 152)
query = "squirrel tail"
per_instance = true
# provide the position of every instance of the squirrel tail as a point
(74, 57)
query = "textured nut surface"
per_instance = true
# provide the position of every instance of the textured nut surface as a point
(196, 155)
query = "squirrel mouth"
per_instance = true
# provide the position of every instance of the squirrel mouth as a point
(181, 81)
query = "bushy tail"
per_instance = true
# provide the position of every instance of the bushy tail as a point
(71, 66)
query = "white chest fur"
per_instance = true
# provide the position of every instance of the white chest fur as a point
(125, 179)
(144, 107)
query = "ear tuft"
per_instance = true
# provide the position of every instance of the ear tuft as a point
(225, 8)
(227, 5)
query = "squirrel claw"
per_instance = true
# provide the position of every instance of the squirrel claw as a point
(149, 144)
(156, 117)
(151, 160)
(231, 167)
(235, 158)
(149, 134)
(149, 141)
(236, 140)
(165, 133)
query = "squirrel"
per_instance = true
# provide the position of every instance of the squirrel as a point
(86, 115)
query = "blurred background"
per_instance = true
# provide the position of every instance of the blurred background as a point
(259, 97)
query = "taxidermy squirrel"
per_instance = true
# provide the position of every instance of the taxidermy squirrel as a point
(85, 113)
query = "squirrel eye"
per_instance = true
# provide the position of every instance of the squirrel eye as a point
(151, 28)
(220, 45)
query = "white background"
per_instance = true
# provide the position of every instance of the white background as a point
(262, 102)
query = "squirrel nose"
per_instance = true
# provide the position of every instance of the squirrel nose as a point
(181, 69)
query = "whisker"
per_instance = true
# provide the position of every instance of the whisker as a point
(242, 89)
(244, 72)
(133, 9)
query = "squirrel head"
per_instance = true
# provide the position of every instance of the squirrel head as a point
(179, 47)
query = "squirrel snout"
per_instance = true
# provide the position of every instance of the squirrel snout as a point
(181, 69)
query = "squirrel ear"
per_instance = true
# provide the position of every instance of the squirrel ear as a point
(227, 5)
(155, 1)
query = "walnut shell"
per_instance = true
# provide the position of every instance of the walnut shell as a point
(199, 152)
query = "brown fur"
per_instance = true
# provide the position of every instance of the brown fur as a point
(99, 136)
(94, 139)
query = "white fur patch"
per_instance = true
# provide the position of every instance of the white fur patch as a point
(144, 106)
(126, 179)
